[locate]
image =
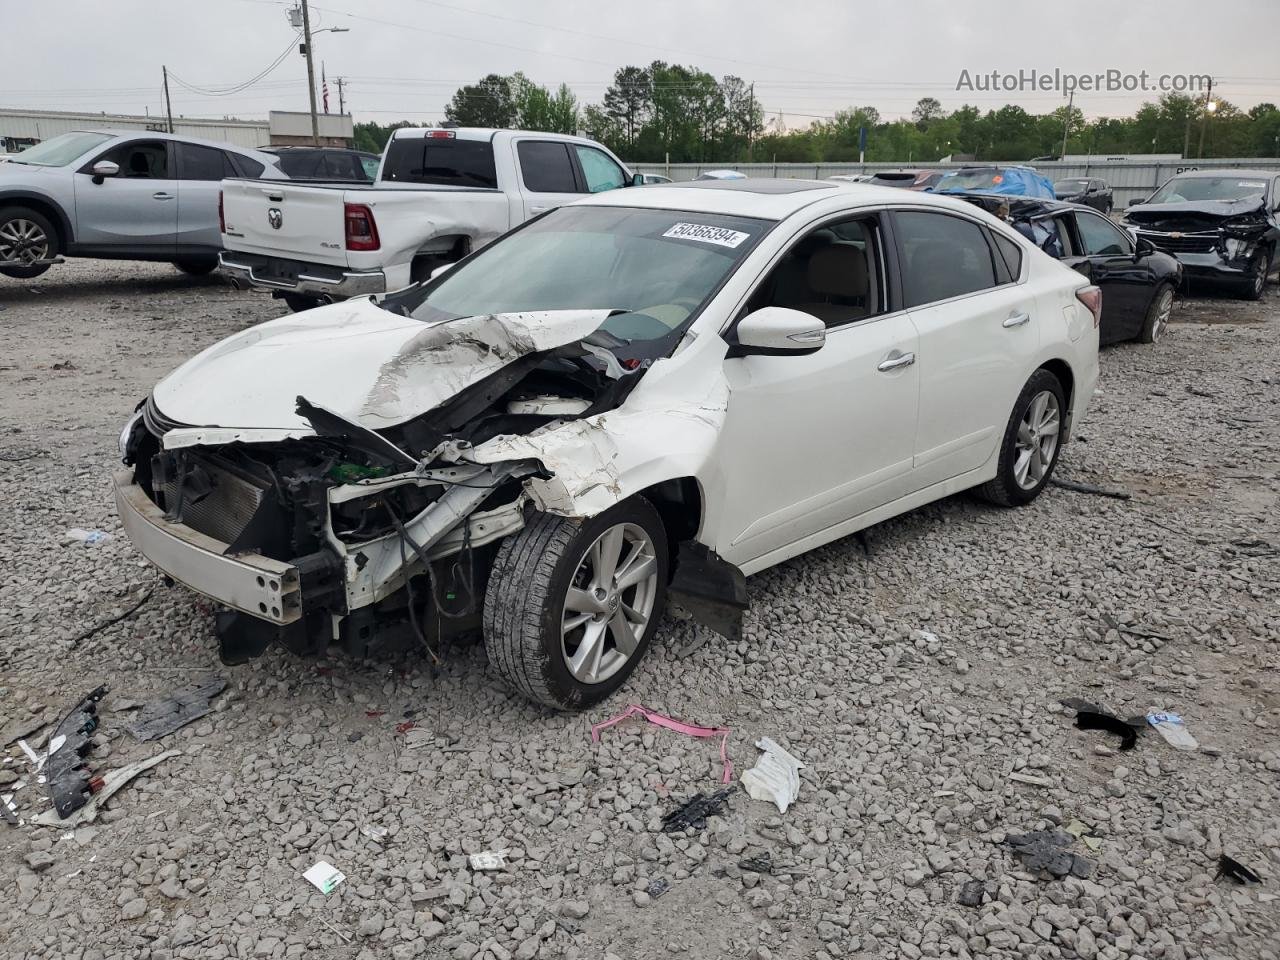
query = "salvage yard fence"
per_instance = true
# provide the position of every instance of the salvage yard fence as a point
(1130, 180)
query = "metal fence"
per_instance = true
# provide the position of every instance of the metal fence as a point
(1129, 179)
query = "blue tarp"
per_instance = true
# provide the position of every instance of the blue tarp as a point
(1009, 181)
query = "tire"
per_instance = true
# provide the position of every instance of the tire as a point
(198, 267)
(26, 235)
(1157, 318)
(298, 302)
(1006, 490)
(1258, 284)
(525, 605)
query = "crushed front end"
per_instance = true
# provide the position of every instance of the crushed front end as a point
(1218, 243)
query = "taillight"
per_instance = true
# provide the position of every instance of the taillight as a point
(222, 219)
(1091, 297)
(362, 230)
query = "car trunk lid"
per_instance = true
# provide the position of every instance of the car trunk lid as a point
(289, 220)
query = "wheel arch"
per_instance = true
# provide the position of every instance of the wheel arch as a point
(1067, 378)
(679, 503)
(45, 207)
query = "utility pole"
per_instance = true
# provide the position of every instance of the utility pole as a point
(311, 73)
(1066, 124)
(1204, 120)
(341, 82)
(751, 123)
(168, 109)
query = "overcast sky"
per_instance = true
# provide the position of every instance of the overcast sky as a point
(808, 58)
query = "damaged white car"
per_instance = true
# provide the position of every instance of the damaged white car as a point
(648, 393)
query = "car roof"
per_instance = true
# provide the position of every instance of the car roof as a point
(762, 197)
(176, 138)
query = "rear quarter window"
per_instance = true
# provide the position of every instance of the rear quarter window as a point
(452, 162)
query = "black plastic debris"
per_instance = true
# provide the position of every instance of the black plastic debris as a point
(693, 813)
(760, 864)
(1101, 720)
(657, 887)
(7, 813)
(972, 894)
(162, 717)
(1235, 870)
(70, 782)
(1046, 851)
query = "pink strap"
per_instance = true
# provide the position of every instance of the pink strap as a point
(679, 726)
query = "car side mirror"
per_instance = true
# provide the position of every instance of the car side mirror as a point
(103, 169)
(442, 269)
(1135, 202)
(1142, 247)
(777, 332)
(637, 180)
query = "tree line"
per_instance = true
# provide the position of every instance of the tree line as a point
(664, 111)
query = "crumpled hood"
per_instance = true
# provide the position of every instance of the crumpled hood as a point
(357, 360)
(1192, 214)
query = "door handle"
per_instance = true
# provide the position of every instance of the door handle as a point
(893, 363)
(539, 209)
(162, 196)
(1017, 319)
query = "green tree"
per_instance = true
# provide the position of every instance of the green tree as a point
(489, 103)
(926, 109)
(629, 100)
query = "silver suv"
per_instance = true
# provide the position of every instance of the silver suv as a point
(119, 196)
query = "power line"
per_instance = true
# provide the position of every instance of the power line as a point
(209, 92)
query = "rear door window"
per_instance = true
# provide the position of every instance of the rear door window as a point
(202, 163)
(941, 257)
(443, 161)
(303, 164)
(545, 167)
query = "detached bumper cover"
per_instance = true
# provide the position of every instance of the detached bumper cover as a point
(1210, 266)
(294, 276)
(251, 583)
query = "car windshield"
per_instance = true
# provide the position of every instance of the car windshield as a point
(59, 151)
(654, 268)
(978, 179)
(1182, 189)
(1070, 186)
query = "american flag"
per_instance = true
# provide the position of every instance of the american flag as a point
(324, 88)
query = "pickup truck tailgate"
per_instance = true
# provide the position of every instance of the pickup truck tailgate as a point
(289, 220)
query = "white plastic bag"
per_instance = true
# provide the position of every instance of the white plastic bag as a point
(775, 777)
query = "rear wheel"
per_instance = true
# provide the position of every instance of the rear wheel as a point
(197, 267)
(1031, 444)
(1158, 313)
(26, 236)
(572, 604)
(298, 302)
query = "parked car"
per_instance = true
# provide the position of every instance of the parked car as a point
(118, 196)
(648, 178)
(1089, 191)
(850, 177)
(327, 163)
(1224, 225)
(1137, 281)
(1014, 181)
(721, 175)
(907, 179)
(441, 194)
(605, 406)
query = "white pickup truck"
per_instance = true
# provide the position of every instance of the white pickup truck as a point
(440, 193)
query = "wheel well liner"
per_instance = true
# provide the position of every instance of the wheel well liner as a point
(1062, 370)
(45, 207)
(679, 503)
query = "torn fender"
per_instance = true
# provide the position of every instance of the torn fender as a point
(713, 590)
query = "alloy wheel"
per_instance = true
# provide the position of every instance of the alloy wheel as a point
(1037, 440)
(1164, 309)
(609, 603)
(23, 240)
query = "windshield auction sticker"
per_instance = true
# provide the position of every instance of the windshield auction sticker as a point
(720, 236)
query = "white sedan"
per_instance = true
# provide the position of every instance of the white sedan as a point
(647, 393)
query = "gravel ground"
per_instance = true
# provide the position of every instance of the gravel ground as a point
(914, 670)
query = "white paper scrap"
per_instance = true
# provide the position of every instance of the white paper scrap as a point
(488, 860)
(775, 777)
(324, 876)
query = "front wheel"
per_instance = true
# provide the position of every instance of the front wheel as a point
(197, 267)
(1031, 444)
(572, 604)
(1158, 313)
(26, 236)
(1261, 270)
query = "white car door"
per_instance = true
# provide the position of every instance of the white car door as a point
(137, 208)
(979, 333)
(548, 174)
(812, 441)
